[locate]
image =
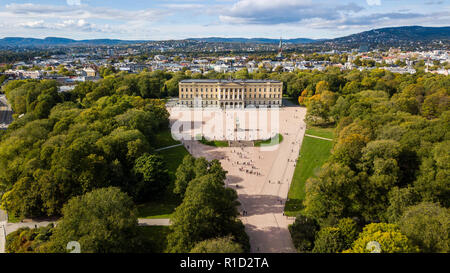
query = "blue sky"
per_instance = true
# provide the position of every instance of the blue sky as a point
(179, 19)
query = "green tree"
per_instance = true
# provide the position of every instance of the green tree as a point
(219, 245)
(349, 231)
(208, 211)
(399, 200)
(242, 74)
(102, 221)
(303, 232)
(185, 173)
(333, 194)
(433, 183)
(26, 240)
(389, 237)
(338, 238)
(152, 174)
(428, 227)
(328, 240)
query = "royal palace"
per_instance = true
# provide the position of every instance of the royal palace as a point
(230, 93)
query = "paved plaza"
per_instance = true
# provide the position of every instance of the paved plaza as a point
(261, 179)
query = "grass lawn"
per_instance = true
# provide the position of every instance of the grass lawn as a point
(173, 158)
(166, 204)
(214, 143)
(157, 235)
(313, 154)
(321, 132)
(277, 139)
(164, 139)
(157, 210)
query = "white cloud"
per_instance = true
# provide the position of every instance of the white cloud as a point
(74, 2)
(33, 24)
(229, 18)
(373, 2)
(285, 11)
(82, 12)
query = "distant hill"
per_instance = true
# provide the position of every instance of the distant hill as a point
(395, 35)
(55, 41)
(391, 36)
(253, 40)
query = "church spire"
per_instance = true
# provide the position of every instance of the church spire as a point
(280, 49)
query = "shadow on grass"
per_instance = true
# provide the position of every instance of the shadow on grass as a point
(293, 207)
(157, 209)
(157, 236)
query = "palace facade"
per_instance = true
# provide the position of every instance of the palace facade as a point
(230, 93)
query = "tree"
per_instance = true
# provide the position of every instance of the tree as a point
(23, 200)
(321, 87)
(428, 227)
(208, 211)
(152, 175)
(380, 161)
(348, 150)
(333, 194)
(349, 231)
(338, 238)
(102, 221)
(26, 240)
(389, 237)
(433, 183)
(184, 174)
(435, 104)
(242, 74)
(328, 240)
(219, 245)
(303, 232)
(399, 200)
(317, 111)
(191, 168)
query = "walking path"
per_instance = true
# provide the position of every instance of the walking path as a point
(3, 220)
(262, 180)
(154, 222)
(169, 147)
(11, 227)
(7, 228)
(2, 237)
(329, 139)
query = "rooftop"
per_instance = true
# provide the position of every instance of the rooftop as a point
(227, 81)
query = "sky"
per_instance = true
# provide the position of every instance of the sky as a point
(180, 19)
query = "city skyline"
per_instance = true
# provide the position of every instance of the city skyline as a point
(164, 20)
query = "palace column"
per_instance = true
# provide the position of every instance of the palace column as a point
(240, 97)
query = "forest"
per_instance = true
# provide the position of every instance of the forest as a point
(386, 180)
(87, 157)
